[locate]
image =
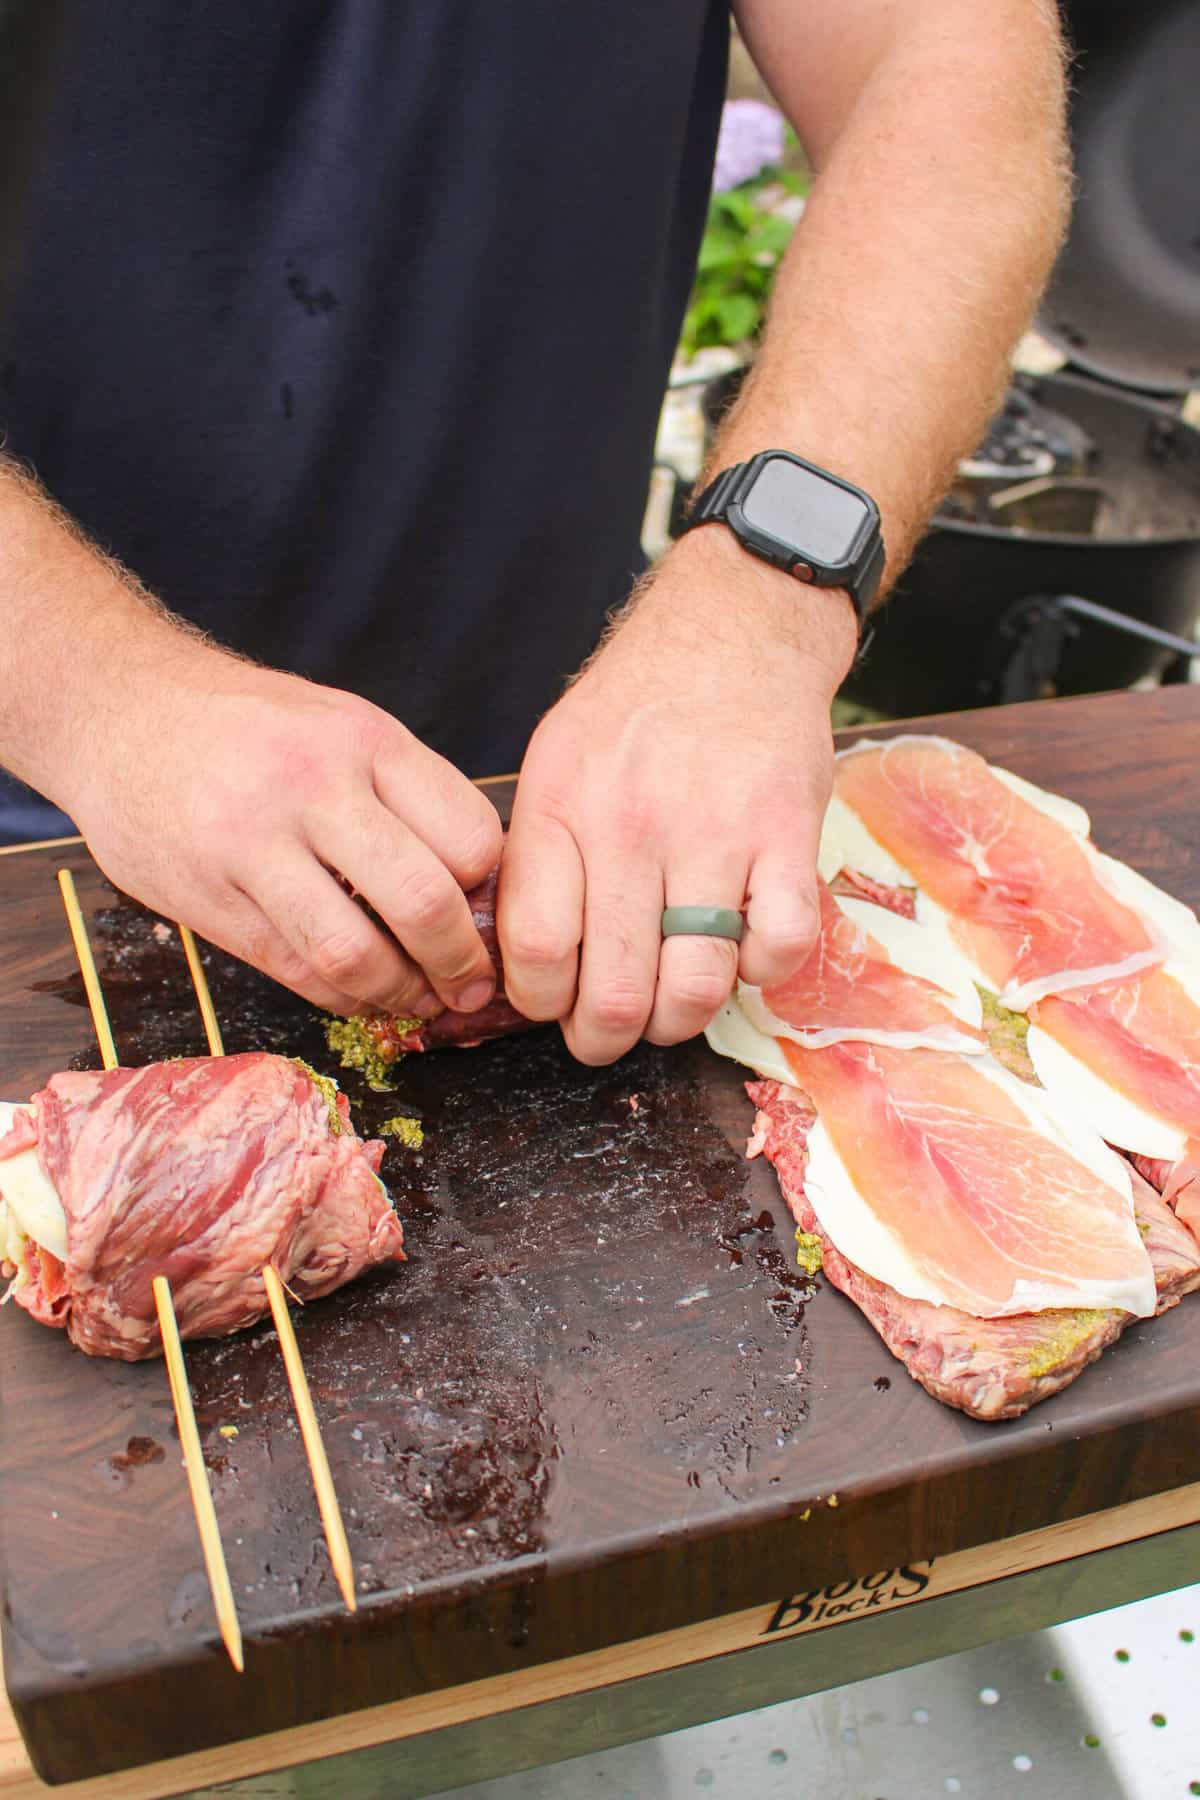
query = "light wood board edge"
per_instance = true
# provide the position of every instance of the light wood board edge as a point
(623, 1662)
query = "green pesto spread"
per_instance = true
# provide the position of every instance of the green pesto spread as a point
(1053, 1350)
(1006, 1034)
(328, 1089)
(808, 1252)
(356, 1043)
(407, 1130)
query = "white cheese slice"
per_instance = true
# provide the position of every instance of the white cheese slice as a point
(29, 1196)
(847, 844)
(731, 1034)
(921, 947)
(1055, 806)
(1117, 1118)
(1120, 1120)
(1174, 923)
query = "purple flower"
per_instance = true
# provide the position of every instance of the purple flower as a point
(751, 140)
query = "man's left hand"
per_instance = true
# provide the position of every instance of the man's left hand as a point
(690, 764)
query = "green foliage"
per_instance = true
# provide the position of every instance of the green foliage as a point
(741, 249)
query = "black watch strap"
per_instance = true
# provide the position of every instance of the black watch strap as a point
(861, 583)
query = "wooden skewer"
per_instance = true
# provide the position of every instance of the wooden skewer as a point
(197, 1474)
(87, 968)
(189, 1436)
(310, 1429)
(212, 1030)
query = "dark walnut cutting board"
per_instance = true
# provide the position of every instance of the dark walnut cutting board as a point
(599, 1401)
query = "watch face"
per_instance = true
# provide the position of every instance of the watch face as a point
(820, 520)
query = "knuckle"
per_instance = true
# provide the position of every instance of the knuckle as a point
(537, 944)
(791, 937)
(341, 958)
(620, 1006)
(298, 765)
(636, 826)
(362, 726)
(287, 966)
(427, 899)
(479, 851)
(702, 989)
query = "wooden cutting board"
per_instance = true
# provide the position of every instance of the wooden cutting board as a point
(598, 1402)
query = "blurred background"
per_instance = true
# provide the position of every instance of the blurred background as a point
(1066, 558)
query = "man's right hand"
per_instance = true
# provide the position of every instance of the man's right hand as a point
(232, 798)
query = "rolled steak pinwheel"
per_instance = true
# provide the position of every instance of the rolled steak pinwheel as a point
(375, 1045)
(202, 1170)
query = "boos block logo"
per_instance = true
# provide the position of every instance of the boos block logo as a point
(847, 1599)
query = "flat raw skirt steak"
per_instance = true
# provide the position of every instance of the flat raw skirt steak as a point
(965, 1187)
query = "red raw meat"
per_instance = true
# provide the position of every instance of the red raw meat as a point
(990, 1368)
(852, 884)
(1022, 891)
(201, 1170)
(461, 1031)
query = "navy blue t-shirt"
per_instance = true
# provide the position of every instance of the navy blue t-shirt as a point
(345, 324)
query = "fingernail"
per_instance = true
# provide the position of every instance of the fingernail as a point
(474, 997)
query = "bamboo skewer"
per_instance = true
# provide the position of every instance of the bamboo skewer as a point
(87, 968)
(185, 1416)
(197, 1474)
(310, 1428)
(314, 1444)
(212, 1030)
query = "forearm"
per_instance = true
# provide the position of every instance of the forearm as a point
(76, 632)
(940, 196)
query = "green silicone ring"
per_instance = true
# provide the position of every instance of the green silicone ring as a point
(703, 921)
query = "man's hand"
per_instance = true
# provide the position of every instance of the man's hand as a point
(241, 801)
(232, 798)
(690, 764)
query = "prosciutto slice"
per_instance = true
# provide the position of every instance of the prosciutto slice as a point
(202, 1170)
(989, 1368)
(1139, 1043)
(850, 988)
(961, 1178)
(1023, 891)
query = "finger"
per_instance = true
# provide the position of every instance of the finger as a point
(696, 974)
(622, 934)
(246, 932)
(334, 937)
(417, 898)
(783, 914)
(435, 800)
(539, 915)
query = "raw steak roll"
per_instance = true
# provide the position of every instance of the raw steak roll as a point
(202, 1170)
(375, 1045)
(990, 1368)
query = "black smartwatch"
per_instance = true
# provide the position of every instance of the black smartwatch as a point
(802, 519)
